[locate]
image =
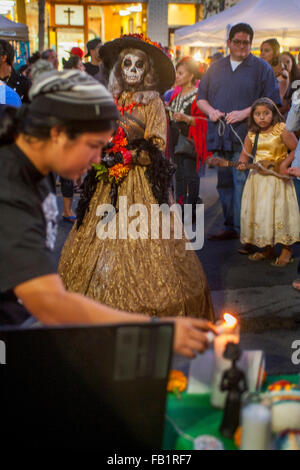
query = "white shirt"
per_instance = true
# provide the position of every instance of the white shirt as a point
(235, 64)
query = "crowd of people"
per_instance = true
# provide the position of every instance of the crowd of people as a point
(122, 129)
(71, 117)
(250, 96)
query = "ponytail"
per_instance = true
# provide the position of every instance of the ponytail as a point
(9, 123)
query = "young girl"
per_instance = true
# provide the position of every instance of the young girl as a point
(270, 212)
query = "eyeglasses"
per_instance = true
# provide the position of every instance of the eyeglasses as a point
(237, 42)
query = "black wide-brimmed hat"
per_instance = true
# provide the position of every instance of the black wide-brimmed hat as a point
(163, 65)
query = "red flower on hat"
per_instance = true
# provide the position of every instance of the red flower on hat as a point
(146, 39)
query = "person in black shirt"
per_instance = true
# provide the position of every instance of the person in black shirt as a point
(9, 75)
(95, 67)
(71, 118)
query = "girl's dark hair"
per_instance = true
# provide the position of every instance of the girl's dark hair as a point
(277, 116)
(23, 121)
(276, 50)
(295, 75)
(191, 66)
(71, 63)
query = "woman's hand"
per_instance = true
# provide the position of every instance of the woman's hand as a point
(190, 335)
(181, 117)
(280, 72)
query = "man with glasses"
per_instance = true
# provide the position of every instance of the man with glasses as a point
(226, 93)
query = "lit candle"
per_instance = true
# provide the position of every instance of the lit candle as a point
(227, 326)
(227, 332)
(256, 427)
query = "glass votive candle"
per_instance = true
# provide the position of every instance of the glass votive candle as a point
(256, 421)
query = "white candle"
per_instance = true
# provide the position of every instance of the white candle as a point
(256, 427)
(217, 397)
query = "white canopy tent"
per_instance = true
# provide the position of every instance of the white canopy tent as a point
(12, 31)
(269, 19)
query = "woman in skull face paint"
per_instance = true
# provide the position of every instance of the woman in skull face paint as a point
(139, 272)
(133, 67)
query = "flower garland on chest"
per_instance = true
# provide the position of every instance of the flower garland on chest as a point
(126, 109)
(117, 161)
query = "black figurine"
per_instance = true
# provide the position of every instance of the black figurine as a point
(233, 381)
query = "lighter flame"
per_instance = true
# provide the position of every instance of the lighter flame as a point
(230, 320)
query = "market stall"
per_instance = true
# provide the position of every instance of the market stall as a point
(12, 31)
(268, 18)
(17, 34)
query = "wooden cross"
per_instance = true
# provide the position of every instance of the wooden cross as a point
(69, 12)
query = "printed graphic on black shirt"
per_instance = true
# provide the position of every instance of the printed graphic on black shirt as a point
(51, 213)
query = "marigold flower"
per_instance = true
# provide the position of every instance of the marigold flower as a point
(118, 172)
(117, 152)
(177, 381)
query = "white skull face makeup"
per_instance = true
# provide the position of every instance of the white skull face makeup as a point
(133, 69)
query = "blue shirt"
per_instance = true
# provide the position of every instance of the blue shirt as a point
(9, 96)
(12, 98)
(228, 91)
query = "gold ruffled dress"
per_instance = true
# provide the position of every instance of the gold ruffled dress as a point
(152, 276)
(270, 211)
